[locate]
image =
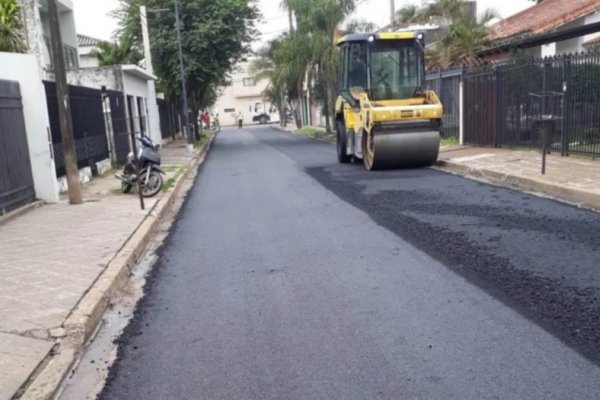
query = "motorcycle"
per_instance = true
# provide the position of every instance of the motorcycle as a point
(149, 166)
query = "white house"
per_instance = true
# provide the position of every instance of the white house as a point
(245, 95)
(549, 28)
(30, 70)
(35, 15)
(86, 46)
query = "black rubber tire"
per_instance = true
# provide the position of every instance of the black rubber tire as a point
(341, 143)
(263, 120)
(368, 157)
(158, 186)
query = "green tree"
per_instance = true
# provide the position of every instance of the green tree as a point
(11, 27)
(282, 83)
(460, 34)
(406, 14)
(360, 25)
(317, 21)
(116, 53)
(215, 36)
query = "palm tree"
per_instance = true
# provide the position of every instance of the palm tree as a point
(406, 14)
(317, 22)
(360, 25)
(265, 67)
(117, 53)
(127, 13)
(460, 34)
(11, 27)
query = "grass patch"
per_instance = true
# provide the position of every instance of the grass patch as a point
(312, 132)
(169, 183)
(204, 139)
(450, 141)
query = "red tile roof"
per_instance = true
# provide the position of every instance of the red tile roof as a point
(85, 41)
(544, 17)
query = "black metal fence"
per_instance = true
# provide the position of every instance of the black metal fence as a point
(499, 109)
(116, 117)
(167, 119)
(446, 84)
(89, 127)
(16, 180)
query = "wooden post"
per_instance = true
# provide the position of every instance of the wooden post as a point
(64, 105)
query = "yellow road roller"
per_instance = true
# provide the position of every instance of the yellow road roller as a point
(384, 115)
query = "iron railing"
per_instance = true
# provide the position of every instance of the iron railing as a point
(499, 110)
(446, 84)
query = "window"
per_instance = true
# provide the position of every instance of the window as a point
(357, 66)
(228, 110)
(249, 82)
(343, 72)
(394, 70)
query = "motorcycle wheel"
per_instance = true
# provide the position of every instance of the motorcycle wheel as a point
(152, 184)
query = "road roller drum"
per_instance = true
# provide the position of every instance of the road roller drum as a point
(401, 150)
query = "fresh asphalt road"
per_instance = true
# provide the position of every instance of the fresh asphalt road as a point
(289, 276)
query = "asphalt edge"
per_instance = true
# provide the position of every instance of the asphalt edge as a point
(87, 315)
(576, 197)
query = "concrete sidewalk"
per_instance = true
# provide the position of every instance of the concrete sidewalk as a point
(572, 179)
(51, 256)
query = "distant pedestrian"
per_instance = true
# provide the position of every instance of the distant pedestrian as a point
(206, 120)
(240, 118)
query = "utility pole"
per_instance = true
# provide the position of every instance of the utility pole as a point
(392, 15)
(64, 105)
(146, 39)
(186, 120)
(151, 84)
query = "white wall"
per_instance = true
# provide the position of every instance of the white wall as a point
(24, 69)
(590, 19)
(138, 87)
(239, 97)
(130, 83)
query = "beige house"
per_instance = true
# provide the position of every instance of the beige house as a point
(245, 95)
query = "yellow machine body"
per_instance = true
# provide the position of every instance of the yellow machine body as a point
(386, 118)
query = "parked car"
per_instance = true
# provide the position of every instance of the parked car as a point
(262, 118)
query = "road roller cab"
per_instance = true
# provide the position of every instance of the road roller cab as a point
(384, 116)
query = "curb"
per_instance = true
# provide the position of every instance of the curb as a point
(573, 196)
(85, 318)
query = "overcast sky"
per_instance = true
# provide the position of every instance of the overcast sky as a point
(91, 16)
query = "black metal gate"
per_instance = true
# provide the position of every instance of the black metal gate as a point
(120, 133)
(89, 130)
(166, 122)
(480, 108)
(16, 180)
